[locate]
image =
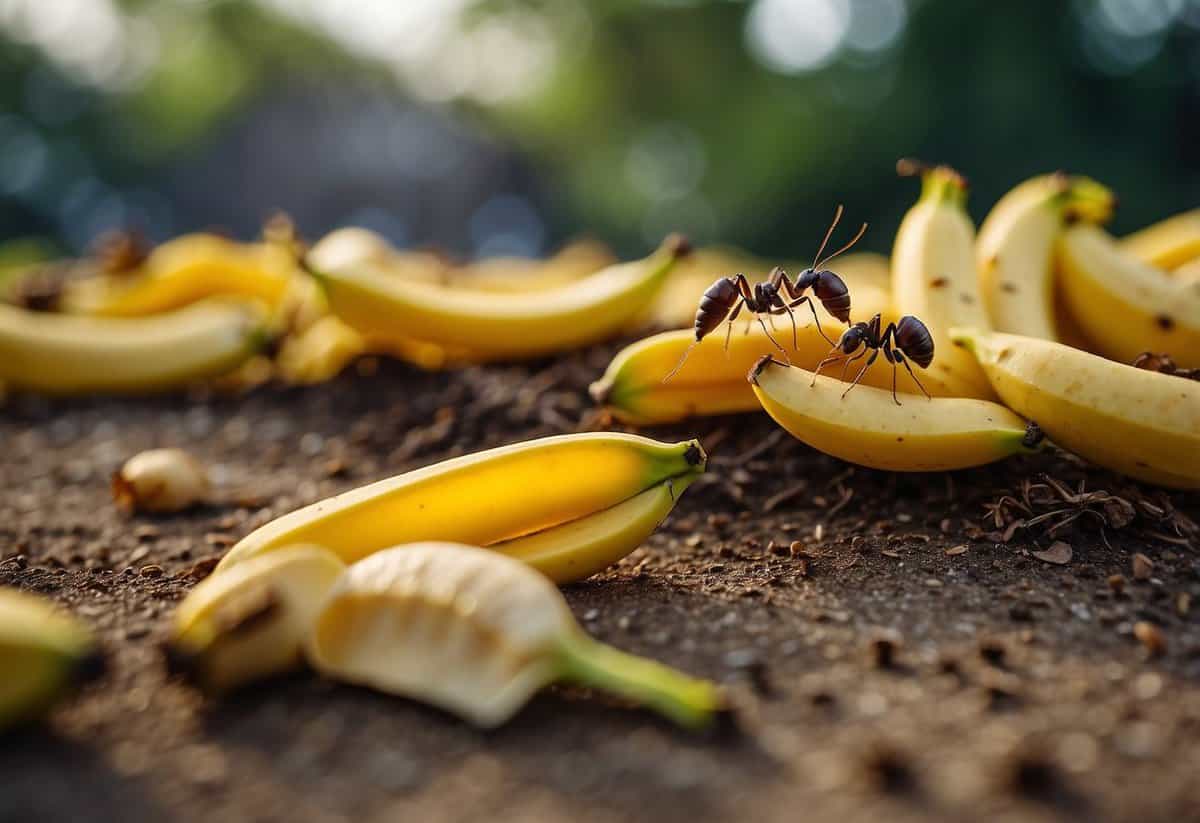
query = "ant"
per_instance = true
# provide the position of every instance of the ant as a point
(1163, 364)
(777, 295)
(911, 340)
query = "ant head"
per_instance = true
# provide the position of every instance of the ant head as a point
(805, 280)
(852, 338)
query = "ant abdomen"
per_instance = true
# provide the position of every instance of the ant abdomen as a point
(715, 304)
(834, 296)
(913, 338)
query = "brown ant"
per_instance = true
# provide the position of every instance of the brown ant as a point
(1163, 364)
(726, 298)
(910, 337)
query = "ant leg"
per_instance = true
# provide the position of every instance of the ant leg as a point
(784, 307)
(829, 358)
(773, 340)
(816, 319)
(915, 380)
(682, 360)
(861, 372)
(893, 357)
(729, 329)
(850, 360)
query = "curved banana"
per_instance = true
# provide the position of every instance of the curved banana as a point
(319, 352)
(865, 426)
(44, 653)
(580, 548)
(354, 246)
(1137, 422)
(574, 261)
(1125, 306)
(250, 623)
(713, 381)
(483, 498)
(1167, 244)
(65, 354)
(1015, 249)
(493, 325)
(182, 271)
(477, 633)
(933, 274)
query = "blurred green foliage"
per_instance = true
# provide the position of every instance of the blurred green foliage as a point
(636, 117)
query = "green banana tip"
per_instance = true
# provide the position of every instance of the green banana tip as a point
(695, 456)
(938, 182)
(601, 391)
(677, 246)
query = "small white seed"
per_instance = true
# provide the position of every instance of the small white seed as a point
(160, 480)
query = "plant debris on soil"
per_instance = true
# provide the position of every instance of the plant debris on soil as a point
(899, 646)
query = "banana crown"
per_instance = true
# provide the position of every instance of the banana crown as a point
(1085, 199)
(939, 184)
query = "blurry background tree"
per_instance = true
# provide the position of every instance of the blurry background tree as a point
(507, 125)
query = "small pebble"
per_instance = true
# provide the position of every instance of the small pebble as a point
(1151, 637)
(1143, 567)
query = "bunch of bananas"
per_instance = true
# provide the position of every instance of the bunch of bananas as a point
(1043, 311)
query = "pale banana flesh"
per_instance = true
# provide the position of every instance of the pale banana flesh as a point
(1137, 422)
(713, 380)
(934, 277)
(865, 426)
(1016, 246)
(1125, 306)
(1167, 244)
(482, 498)
(43, 654)
(183, 271)
(250, 622)
(490, 325)
(66, 354)
(477, 634)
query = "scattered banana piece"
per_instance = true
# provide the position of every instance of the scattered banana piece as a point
(161, 480)
(65, 354)
(1125, 306)
(866, 427)
(1167, 244)
(44, 653)
(250, 623)
(391, 312)
(1134, 421)
(1015, 249)
(484, 498)
(933, 274)
(477, 633)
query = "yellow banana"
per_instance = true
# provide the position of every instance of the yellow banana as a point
(1167, 244)
(183, 271)
(580, 548)
(482, 498)
(64, 354)
(43, 654)
(933, 274)
(865, 426)
(477, 633)
(572, 262)
(713, 381)
(250, 622)
(353, 247)
(319, 352)
(1137, 422)
(1015, 250)
(1189, 272)
(493, 325)
(1125, 306)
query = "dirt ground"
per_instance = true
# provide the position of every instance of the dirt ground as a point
(891, 655)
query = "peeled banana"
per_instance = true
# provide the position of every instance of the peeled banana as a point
(250, 622)
(1125, 306)
(933, 274)
(1015, 249)
(1167, 244)
(44, 653)
(64, 354)
(477, 633)
(485, 498)
(393, 311)
(1137, 422)
(182, 271)
(865, 426)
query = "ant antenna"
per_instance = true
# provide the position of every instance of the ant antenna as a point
(847, 247)
(837, 215)
(682, 360)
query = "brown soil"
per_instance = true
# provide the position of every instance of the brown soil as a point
(892, 657)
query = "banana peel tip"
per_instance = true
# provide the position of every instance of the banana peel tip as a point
(757, 368)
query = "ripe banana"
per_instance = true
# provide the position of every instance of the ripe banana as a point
(865, 426)
(319, 352)
(713, 381)
(64, 354)
(1167, 244)
(182, 271)
(353, 246)
(44, 653)
(1015, 250)
(477, 633)
(933, 274)
(1125, 306)
(250, 622)
(572, 262)
(484, 498)
(1137, 422)
(491, 325)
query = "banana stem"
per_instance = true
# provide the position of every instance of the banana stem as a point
(686, 700)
